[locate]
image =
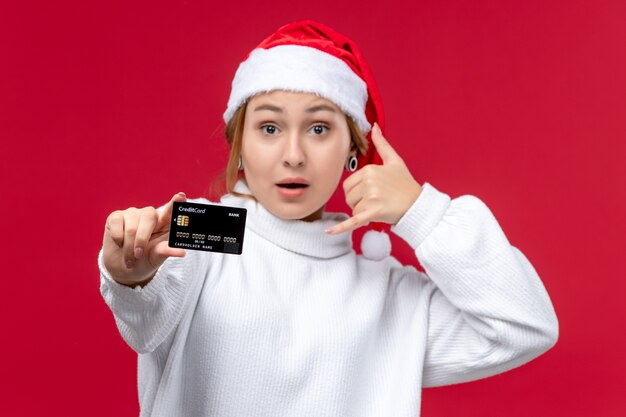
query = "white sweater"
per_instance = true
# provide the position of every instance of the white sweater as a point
(299, 325)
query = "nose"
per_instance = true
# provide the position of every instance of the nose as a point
(293, 155)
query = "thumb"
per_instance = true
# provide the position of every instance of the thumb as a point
(384, 149)
(166, 215)
(162, 251)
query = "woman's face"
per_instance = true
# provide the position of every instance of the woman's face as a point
(294, 137)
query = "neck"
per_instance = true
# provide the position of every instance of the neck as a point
(305, 236)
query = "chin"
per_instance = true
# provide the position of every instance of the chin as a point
(295, 214)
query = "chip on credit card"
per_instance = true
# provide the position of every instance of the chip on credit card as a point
(207, 227)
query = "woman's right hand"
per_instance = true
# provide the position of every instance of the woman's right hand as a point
(135, 242)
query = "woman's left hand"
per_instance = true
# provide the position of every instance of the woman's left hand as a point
(379, 193)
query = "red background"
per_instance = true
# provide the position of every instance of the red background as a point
(116, 104)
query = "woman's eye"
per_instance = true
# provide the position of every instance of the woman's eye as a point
(269, 129)
(319, 129)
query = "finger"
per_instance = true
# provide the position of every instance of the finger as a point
(352, 181)
(355, 195)
(131, 221)
(383, 147)
(166, 215)
(162, 251)
(147, 223)
(115, 227)
(354, 222)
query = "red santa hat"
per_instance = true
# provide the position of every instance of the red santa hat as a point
(307, 56)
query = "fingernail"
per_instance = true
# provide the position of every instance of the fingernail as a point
(330, 231)
(138, 252)
(183, 194)
(129, 264)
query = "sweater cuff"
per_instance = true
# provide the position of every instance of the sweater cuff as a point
(132, 294)
(423, 216)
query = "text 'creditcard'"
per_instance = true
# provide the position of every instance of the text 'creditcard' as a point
(207, 227)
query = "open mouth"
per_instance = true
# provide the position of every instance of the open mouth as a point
(292, 190)
(292, 185)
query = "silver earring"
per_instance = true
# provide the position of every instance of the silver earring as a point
(352, 163)
(240, 164)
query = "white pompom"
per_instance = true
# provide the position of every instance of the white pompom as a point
(375, 245)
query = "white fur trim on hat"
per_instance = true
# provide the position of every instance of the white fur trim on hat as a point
(304, 69)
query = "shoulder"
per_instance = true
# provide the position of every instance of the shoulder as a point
(203, 200)
(399, 283)
(391, 268)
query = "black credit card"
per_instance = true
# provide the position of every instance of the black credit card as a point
(207, 227)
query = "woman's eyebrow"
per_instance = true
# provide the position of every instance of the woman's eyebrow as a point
(268, 107)
(309, 110)
(320, 107)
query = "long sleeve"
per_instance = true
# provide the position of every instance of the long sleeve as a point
(489, 311)
(146, 316)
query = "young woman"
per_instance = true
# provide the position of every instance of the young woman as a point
(299, 324)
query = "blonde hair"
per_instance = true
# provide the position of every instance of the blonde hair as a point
(234, 136)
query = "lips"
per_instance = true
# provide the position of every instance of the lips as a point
(292, 187)
(293, 183)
